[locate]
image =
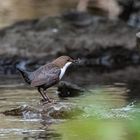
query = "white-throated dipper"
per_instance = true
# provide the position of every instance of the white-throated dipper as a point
(47, 75)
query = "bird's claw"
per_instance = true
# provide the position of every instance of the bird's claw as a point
(50, 101)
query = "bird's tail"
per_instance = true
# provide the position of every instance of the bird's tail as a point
(27, 76)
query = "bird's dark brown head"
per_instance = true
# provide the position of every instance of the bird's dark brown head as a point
(62, 60)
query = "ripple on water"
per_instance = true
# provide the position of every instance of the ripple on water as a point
(102, 101)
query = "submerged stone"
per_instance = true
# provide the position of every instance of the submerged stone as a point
(57, 110)
(60, 110)
(66, 89)
(26, 111)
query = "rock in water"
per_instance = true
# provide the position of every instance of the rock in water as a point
(66, 89)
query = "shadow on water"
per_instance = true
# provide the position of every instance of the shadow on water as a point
(134, 90)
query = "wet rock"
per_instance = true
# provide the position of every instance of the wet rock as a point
(48, 111)
(66, 89)
(33, 43)
(8, 64)
(78, 19)
(14, 112)
(26, 111)
(60, 110)
(25, 40)
(134, 90)
(127, 7)
(138, 40)
(101, 76)
(47, 135)
(108, 8)
(134, 20)
(57, 110)
(130, 12)
(109, 59)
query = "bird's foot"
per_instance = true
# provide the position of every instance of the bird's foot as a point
(50, 101)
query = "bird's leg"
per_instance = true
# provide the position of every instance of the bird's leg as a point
(45, 97)
(48, 98)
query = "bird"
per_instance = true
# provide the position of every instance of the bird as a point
(47, 75)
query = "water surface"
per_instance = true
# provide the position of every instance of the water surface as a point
(106, 102)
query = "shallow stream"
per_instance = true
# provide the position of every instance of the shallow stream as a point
(104, 109)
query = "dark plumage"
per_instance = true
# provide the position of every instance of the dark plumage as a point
(47, 75)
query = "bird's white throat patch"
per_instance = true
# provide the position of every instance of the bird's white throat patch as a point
(64, 69)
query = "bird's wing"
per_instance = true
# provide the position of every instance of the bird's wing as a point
(48, 75)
